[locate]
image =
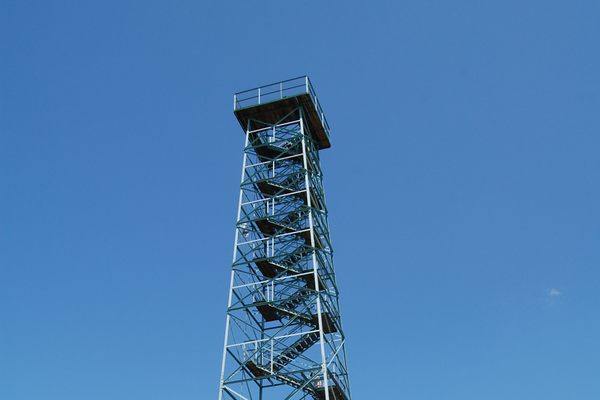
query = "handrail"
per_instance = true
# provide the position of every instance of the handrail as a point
(272, 84)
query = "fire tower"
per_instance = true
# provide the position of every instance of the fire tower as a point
(283, 335)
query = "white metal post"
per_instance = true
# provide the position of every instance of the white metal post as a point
(229, 301)
(314, 257)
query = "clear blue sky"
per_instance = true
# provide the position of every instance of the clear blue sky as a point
(463, 186)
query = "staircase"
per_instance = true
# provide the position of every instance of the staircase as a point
(316, 391)
(269, 226)
(288, 308)
(269, 151)
(297, 348)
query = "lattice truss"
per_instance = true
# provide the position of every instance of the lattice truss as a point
(284, 337)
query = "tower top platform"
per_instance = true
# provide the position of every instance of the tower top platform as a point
(273, 103)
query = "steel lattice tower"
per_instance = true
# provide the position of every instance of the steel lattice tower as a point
(284, 337)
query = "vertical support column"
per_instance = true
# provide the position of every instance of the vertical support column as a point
(314, 256)
(232, 280)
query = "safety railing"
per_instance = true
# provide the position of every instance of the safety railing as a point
(277, 91)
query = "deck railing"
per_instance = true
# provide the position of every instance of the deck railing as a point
(277, 91)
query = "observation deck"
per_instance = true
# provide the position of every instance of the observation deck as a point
(276, 102)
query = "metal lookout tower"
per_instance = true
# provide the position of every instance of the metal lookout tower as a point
(284, 337)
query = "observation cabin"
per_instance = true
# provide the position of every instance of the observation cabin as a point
(270, 104)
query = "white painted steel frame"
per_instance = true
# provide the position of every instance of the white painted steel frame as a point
(332, 351)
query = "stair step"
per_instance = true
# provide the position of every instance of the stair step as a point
(270, 227)
(273, 313)
(267, 152)
(260, 372)
(271, 269)
(335, 393)
(297, 348)
(268, 312)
